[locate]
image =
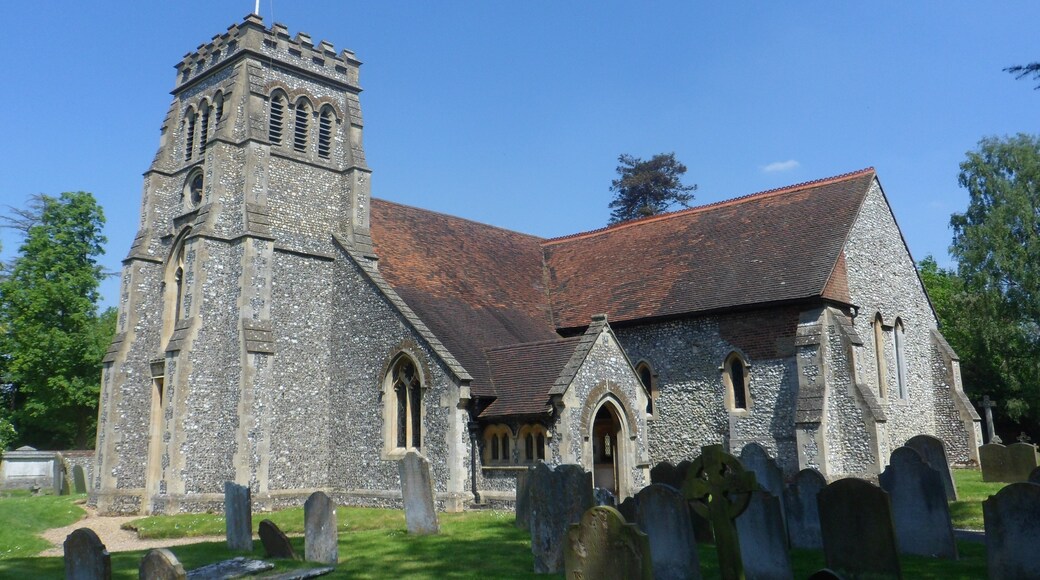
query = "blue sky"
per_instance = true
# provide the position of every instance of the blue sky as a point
(514, 113)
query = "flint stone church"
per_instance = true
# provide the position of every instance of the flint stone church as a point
(280, 328)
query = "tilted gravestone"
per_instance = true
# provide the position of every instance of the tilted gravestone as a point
(803, 513)
(859, 538)
(1012, 518)
(86, 557)
(320, 529)
(675, 475)
(523, 502)
(602, 545)
(768, 474)
(161, 564)
(663, 514)
(238, 516)
(79, 479)
(933, 451)
(420, 511)
(763, 539)
(276, 543)
(919, 508)
(559, 497)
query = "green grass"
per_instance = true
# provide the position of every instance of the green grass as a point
(966, 512)
(289, 521)
(22, 516)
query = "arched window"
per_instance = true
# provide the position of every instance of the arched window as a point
(406, 393)
(879, 355)
(325, 122)
(276, 122)
(203, 127)
(497, 444)
(532, 443)
(175, 287)
(900, 342)
(303, 114)
(735, 378)
(649, 380)
(218, 109)
(189, 134)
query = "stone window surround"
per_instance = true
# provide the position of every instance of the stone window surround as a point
(174, 288)
(727, 383)
(317, 109)
(200, 123)
(879, 328)
(494, 435)
(533, 430)
(388, 396)
(899, 344)
(652, 390)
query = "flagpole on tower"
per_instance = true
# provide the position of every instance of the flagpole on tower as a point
(257, 9)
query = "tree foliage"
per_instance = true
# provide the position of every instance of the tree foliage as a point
(51, 335)
(646, 188)
(997, 245)
(1022, 71)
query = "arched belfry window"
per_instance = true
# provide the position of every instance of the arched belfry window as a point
(406, 396)
(276, 122)
(302, 126)
(649, 380)
(325, 125)
(189, 134)
(879, 355)
(218, 109)
(204, 117)
(900, 346)
(736, 379)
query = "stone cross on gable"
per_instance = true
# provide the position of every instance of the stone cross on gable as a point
(987, 406)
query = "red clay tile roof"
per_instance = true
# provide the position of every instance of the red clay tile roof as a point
(524, 374)
(773, 246)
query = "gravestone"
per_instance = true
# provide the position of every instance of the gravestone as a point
(763, 539)
(824, 574)
(601, 496)
(559, 497)
(933, 451)
(602, 545)
(86, 557)
(629, 508)
(1022, 460)
(238, 516)
(79, 479)
(675, 475)
(803, 513)
(768, 474)
(161, 564)
(1009, 464)
(420, 512)
(663, 514)
(523, 502)
(859, 538)
(987, 407)
(1034, 476)
(919, 509)
(1012, 518)
(238, 567)
(320, 530)
(276, 543)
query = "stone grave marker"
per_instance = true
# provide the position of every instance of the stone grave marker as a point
(86, 558)
(933, 451)
(763, 539)
(1012, 518)
(238, 567)
(1007, 464)
(663, 514)
(859, 538)
(420, 512)
(987, 407)
(768, 474)
(601, 496)
(1034, 476)
(276, 543)
(602, 545)
(719, 489)
(523, 501)
(320, 530)
(675, 475)
(238, 516)
(79, 479)
(161, 564)
(824, 574)
(1022, 460)
(803, 513)
(559, 497)
(919, 509)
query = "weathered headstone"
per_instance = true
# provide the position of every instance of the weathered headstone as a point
(234, 568)
(763, 539)
(1022, 460)
(719, 489)
(1034, 476)
(601, 496)
(276, 543)
(523, 501)
(663, 514)
(1007, 464)
(86, 557)
(602, 545)
(79, 479)
(320, 530)
(1012, 518)
(675, 475)
(420, 512)
(824, 574)
(768, 474)
(933, 451)
(238, 516)
(803, 513)
(919, 509)
(559, 497)
(859, 538)
(161, 564)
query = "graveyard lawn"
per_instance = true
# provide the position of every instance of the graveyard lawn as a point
(24, 516)
(966, 512)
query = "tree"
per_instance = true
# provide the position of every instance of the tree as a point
(1026, 70)
(997, 245)
(647, 188)
(50, 333)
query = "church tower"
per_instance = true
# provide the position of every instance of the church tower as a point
(260, 178)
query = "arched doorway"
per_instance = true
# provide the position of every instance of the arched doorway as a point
(606, 453)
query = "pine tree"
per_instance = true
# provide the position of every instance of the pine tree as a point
(647, 188)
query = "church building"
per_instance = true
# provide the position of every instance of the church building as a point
(280, 328)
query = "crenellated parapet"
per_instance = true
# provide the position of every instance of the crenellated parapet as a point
(274, 44)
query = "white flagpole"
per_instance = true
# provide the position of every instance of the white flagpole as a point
(257, 9)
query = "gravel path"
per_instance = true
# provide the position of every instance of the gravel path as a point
(115, 539)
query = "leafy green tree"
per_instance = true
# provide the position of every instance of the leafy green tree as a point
(997, 245)
(1022, 71)
(647, 188)
(50, 332)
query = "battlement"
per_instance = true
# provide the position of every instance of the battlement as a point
(274, 44)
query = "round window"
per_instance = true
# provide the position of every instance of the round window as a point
(193, 189)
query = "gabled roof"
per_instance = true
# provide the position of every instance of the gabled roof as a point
(769, 247)
(527, 373)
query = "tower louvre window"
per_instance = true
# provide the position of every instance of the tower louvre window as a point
(325, 133)
(189, 135)
(218, 108)
(303, 113)
(277, 120)
(204, 128)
